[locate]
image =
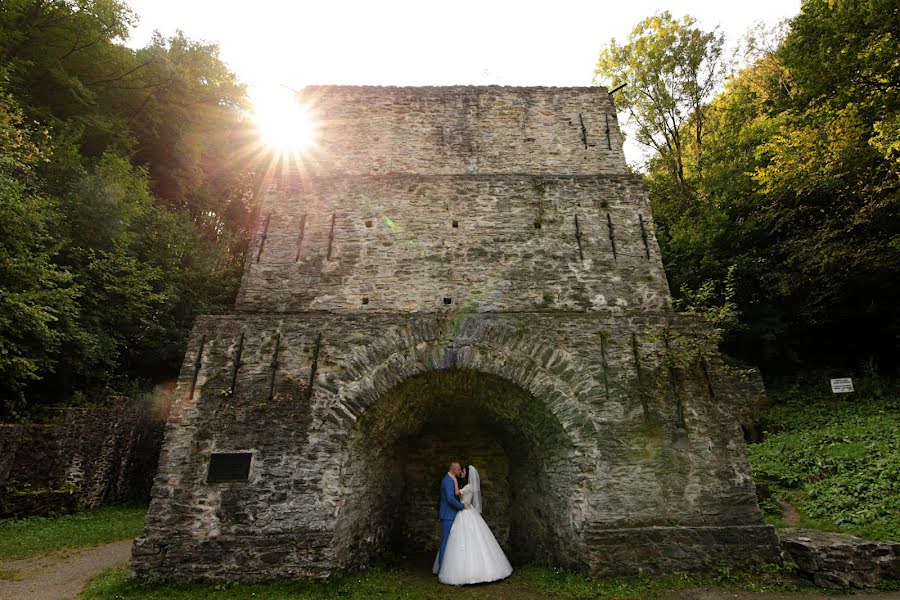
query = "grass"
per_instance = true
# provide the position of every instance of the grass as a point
(836, 461)
(38, 535)
(527, 583)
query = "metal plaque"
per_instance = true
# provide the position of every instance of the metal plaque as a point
(229, 466)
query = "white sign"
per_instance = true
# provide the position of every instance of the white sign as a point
(842, 385)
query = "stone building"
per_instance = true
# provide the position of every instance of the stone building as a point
(453, 272)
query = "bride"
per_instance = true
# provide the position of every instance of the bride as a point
(472, 554)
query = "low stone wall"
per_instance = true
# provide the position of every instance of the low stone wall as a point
(663, 550)
(79, 458)
(835, 560)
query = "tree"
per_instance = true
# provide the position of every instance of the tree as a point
(798, 194)
(125, 198)
(38, 299)
(671, 68)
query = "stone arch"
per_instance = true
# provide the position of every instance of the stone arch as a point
(544, 391)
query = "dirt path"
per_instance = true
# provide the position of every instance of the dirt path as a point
(58, 575)
(791, 516)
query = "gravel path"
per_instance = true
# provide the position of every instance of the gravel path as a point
(58, 575)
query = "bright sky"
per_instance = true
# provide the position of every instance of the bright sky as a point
(269, 43)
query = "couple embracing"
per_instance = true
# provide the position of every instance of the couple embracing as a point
(469, 552)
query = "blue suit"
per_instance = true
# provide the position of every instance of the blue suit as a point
(448, 509)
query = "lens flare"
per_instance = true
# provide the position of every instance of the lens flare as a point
(283, 123)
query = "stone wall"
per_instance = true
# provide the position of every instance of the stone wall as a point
(79, 458)
(462, 130)
(835, 560)
(511, 243)
(616, 441)
(460, 271)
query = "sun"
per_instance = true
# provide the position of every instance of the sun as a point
(283, 123)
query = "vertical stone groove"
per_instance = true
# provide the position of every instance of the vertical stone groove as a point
(640, 377)
(300, 238)
(274, 365)
(583, 131)
(612, 236)
(578, 238)
(673, 382)
(605, 365)
(237, 362)
(331, 237)
(262, 240)
(314, 366)
(608, 140)
(644, 236)
(197, 365)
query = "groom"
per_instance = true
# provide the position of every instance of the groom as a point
(449, 507)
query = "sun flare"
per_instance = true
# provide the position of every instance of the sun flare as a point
(283, 123)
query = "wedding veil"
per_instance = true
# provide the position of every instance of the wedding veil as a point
(475, 484)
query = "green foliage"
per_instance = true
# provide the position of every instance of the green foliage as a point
(713, 301)
(796, 192)
(126, 197)
(671, 68)
(38, 297)
(837, 462)
(39, 535)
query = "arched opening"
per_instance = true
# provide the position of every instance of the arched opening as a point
(399, 450)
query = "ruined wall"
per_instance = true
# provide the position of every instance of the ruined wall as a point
(643, 446)
(79, 458)
(511, 243)
(462, 130)
(460, 270)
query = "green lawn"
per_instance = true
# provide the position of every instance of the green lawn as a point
(37, 535)
(527, 583)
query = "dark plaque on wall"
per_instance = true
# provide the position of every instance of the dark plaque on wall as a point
(229, 466)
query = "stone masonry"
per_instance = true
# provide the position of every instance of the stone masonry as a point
(77, 458)
(454, 272)
(840, 560)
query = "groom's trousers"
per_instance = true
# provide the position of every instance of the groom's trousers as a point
(446, 526)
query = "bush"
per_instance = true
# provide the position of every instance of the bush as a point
(838, 463)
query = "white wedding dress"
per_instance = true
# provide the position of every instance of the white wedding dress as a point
(472, 554)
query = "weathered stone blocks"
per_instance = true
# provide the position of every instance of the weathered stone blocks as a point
(79, 458)
(455, 272)
(835, 560)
